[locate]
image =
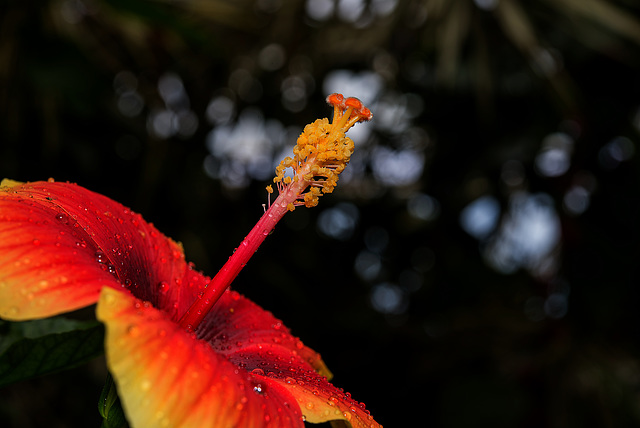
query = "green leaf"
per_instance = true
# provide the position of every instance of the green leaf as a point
(110, 408)
(34, 348)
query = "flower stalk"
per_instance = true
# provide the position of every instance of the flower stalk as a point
(320, 155)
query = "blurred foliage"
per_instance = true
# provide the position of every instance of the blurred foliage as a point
(470, 89)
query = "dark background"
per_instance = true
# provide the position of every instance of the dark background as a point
(517, 310)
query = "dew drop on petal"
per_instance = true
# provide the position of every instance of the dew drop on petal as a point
(109, 299)
(133, 331)
(258, 372)
(163, 286)
(62, 218)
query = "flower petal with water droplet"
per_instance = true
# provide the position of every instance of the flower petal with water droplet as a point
(256, 341)
(61, 243)
(166, 377)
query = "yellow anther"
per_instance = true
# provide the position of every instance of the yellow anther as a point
(321, 152)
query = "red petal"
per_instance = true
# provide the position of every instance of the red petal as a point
(61, 243)
(166, 377)
(254, 340)
(244, 369)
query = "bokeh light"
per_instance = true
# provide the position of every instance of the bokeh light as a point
(479, 218)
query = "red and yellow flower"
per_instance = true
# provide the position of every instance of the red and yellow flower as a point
(184, 350)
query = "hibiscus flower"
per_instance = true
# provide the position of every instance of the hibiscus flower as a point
(184, 350)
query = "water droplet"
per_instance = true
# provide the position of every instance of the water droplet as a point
(258, 372)
(309, 405)
(346, 415)
(145, 385)
(36, 242)
(110, 299)
(163, 287)
(62, 218)
(112, 269)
